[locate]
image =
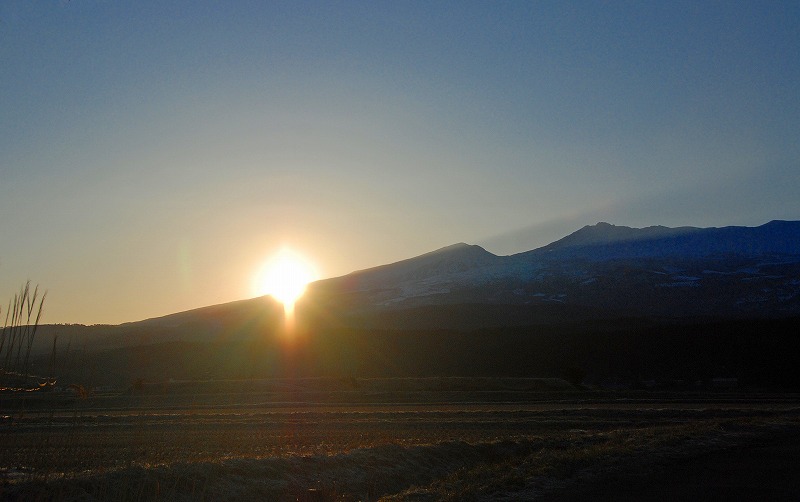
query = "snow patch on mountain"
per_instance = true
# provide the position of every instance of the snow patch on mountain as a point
(598, 265)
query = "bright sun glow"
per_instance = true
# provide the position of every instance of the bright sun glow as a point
(285, 277)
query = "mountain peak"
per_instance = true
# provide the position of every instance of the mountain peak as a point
(442, 264)
(467, 255)
(607, 240)
(461, 247)
(453, 247)
(600, 233)
(606, 233)
(781, 224)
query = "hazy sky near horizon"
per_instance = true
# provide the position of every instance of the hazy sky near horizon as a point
(153, 154)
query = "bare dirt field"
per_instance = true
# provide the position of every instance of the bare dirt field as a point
(545, 446)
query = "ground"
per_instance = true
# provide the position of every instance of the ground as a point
(418, 445)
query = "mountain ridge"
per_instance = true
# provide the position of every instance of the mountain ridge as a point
(776, 236)
(608, 261)
(657, 270)
(461, 310)
(603, 232)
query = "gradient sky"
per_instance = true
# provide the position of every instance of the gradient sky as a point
(153, 154)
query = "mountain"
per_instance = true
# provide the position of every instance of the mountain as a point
(606, 241)
(606, 234)
(609, 301)
(430, 275)
(602, 270)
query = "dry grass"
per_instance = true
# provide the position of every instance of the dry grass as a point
(469, 452)
(16, 340)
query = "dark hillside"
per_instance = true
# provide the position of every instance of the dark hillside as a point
(626, 353)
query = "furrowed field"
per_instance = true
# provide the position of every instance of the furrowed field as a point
(392, 439)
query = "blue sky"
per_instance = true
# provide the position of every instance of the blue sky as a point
(154, 153)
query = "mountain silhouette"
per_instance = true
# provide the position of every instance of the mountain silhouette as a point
(678, 304)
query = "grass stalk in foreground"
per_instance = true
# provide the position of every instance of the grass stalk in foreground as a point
(17, 335)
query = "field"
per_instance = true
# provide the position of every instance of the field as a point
(381, 439)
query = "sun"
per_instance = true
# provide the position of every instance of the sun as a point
(284, 277)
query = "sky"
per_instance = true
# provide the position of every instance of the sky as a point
(154, 154)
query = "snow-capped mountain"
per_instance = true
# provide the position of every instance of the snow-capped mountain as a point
(605, 241)
(672, 272)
